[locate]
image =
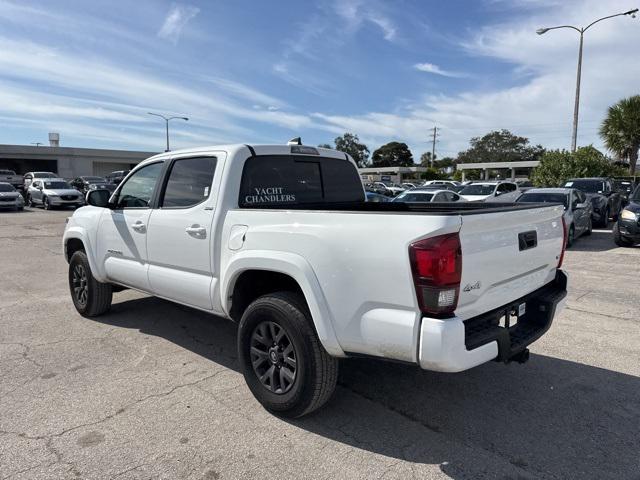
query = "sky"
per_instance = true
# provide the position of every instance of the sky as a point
(266, 71)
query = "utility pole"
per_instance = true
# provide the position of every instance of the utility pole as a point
(433, 146)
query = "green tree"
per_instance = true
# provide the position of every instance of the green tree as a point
(393, 154)
(620, 130)
(500, 146)
(556, 166)
(426, 160)
(350, 143)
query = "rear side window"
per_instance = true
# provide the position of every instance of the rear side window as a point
(189, 182)
(294, 180)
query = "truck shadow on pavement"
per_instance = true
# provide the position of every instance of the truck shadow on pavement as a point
(550, 417)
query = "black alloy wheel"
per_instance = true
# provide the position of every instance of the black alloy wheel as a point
(273, 357)
(79, 284)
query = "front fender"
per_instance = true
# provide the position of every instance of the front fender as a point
(297, 268)
(74, 231)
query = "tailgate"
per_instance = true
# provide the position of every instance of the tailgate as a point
(506, 255)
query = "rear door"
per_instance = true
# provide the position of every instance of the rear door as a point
(501, 262)
(180, 240)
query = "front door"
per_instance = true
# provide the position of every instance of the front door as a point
(181, 240)
(122, 234)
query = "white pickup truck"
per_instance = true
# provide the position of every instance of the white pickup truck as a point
(280, 240)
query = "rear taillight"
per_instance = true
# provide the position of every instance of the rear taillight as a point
(436, 264)
(564, 242)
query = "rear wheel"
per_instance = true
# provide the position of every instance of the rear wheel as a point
(90, 297)
(283, 362)
(619, 239)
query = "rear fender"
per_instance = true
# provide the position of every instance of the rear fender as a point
(297, 268)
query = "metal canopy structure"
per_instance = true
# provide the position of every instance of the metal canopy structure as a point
(486, 166)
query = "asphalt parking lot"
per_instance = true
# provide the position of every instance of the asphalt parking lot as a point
(152, 389)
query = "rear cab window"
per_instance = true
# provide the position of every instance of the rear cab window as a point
(281, 180)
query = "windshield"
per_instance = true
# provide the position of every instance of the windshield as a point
(636, 194)
(95, 179)
(43, 175)
(545, 198)
(477, 189)
(7, 172)
(5, 187)
(414, 197)
(57, 185)
(587, 186)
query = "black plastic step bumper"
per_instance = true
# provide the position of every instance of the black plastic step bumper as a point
(496, 325)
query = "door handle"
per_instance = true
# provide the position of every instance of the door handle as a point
(196, 230)
(138, 227)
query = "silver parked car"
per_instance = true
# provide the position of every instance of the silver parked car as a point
(53, 192)
(577, 208)
(10, 197)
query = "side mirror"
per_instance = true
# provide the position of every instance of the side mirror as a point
(98, 198)
(580, 206)
(498, 193)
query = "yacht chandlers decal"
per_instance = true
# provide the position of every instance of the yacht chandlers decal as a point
(269, 195)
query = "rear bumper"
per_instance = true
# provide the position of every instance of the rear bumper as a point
(454, 345)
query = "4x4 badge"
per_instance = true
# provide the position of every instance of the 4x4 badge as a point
(471, 286)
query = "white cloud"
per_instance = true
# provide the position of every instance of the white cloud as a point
(175, 21)
(357, 12)
(435, 69)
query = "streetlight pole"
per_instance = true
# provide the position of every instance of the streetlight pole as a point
(166, 121)
(576, 107)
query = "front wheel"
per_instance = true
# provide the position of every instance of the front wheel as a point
(45, 203)
(589, 230)
(604, 221)
(90, 297)
(282, 359)
(30, 201)
(571, 236)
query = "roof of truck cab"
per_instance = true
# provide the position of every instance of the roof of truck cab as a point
(232, 149)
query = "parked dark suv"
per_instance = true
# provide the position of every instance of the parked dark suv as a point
(606, 202)
(626, 231)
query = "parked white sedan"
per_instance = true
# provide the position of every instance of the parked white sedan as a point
(490, 191)
(428, 195)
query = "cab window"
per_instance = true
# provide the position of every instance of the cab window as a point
(138, 190)
(189, 182)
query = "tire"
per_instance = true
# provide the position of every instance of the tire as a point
(605, 219)
(589, 230)
(571, 236)
(30, 201)
(315, 372)
(619, 239)
(97, 296)
(45, 203)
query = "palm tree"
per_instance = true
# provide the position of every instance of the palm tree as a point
(620, 130)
